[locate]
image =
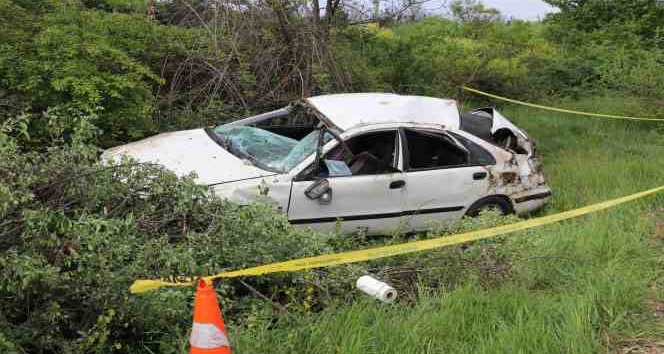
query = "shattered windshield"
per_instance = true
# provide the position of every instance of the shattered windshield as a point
(266, 149)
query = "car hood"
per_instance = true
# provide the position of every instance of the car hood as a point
(189, 151)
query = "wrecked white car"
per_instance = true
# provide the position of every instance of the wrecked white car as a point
(369, 162)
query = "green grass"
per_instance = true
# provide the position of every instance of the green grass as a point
(581, 286)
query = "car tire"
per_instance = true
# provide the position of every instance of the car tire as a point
(494, 202)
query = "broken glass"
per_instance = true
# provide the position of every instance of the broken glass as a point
(266, 149)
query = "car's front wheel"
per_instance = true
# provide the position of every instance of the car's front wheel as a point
(496, 203)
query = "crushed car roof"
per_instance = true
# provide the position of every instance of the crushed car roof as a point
(349, 110)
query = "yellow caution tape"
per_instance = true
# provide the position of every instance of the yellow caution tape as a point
(327, 260)
(555, 109)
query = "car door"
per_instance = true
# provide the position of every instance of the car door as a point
(358, 201)
(441, 181)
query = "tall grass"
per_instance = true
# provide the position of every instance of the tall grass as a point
(581, 286)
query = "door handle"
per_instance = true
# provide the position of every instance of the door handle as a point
(479, 175)
(397, 184)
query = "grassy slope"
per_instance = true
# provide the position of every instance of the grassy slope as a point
(581, 286)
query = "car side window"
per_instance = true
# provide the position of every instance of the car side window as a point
(478, 155)
(371, 153)
(431, 150)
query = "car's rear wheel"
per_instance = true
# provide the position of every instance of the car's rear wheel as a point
(496, 203)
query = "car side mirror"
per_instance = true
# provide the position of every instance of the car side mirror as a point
(320, 190)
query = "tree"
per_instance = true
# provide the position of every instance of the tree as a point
(69, 58)
(644, 18)
(474, 12)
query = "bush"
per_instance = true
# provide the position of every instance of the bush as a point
(437, 56)
(98, 63)
(76, 233)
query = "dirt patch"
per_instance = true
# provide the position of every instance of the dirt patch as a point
(658, 217)
(646, 345)
(658, 309)
(643, 347)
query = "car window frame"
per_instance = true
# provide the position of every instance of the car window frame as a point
(399, 146)
(484, 150)
(406, 150)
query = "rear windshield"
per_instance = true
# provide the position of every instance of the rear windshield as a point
(477, 124)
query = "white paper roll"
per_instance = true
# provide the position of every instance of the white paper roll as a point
(376, 288)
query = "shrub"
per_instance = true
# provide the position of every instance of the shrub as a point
(75, 233)
(95, 62)
(437, 56)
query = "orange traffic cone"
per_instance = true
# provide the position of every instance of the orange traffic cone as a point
(208, 334)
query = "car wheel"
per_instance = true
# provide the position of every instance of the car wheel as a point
(499, 204)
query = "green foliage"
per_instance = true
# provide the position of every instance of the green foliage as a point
(75, 233)
(117, 5)
(528, 60)
(637, 71)
(105, 59)
(614, 45)
(437, 56)
(87, 60)
(473, 12)
(642, 17)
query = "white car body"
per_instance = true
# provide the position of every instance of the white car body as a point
(404, 199)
